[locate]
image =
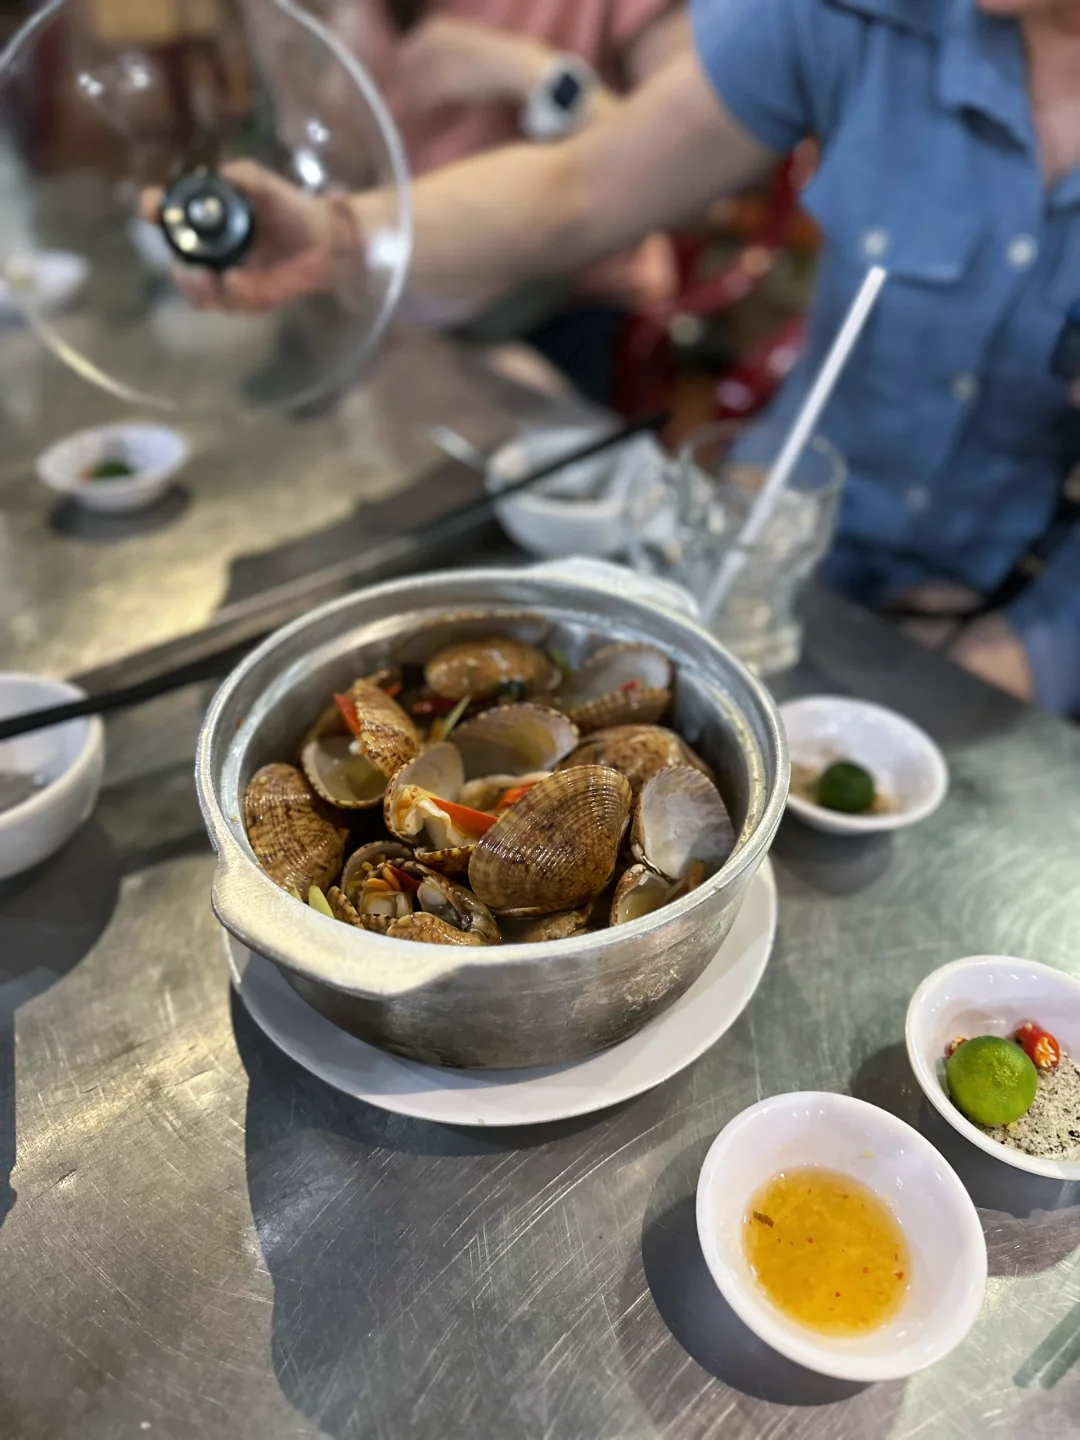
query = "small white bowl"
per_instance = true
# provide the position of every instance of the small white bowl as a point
(44, 282)
(154, 452)
(555, 519)
(989, 995)
(948, 1252)
(904, 761)
(69, 758)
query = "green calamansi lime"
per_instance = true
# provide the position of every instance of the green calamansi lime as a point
(991, 1080)
(846, 786)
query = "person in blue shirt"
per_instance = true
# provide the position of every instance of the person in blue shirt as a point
(950, 154)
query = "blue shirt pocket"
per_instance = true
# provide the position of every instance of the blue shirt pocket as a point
(933, 314)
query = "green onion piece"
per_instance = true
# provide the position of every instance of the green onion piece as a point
(318, 901)
(441, 729)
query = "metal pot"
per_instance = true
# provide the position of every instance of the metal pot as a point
(509, 1005)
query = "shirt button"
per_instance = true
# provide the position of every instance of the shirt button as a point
(874, 243)
(964, 387)
(917, 499)
(1022, 251)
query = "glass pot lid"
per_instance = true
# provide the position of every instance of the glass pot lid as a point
(103, 100)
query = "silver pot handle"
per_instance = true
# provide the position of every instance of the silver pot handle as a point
(603, 575)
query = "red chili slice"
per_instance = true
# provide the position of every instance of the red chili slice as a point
(513, 795)
(404, 879)
(347, 707)
(1039, 1045)
(473, 822)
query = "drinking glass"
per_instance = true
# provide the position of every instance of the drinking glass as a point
(683, 525)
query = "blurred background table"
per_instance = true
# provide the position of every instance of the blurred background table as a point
(199, 1240)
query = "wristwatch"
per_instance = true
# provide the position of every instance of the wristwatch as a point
(560, 102)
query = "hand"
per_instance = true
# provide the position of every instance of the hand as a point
(457, 62)
(990, 648)
(300, 242)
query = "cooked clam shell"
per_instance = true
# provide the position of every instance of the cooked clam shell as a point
(293, 839)
(527, 929)
(617, 685)
(351, 771)
(453, 903)
(514, 740)
(418, 647)
(681, 818)
(485, 794)
(367, 859)
(557, 847)
(343, 907)
(639, 892)
(637, 751)
(490, 666)
(430, 930)
(437, 772)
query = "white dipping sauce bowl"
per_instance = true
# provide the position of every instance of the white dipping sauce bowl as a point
(154, 452)
(948, 1252)
(71, 759)
(990, 995)
(904, 761)
(580, 510)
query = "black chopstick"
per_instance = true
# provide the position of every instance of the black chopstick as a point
(229, 636)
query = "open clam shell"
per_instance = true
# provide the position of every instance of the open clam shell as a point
(639, 892)
(681, 819)
(419, 646)
(527, 929)
(440, 896)
(367, 859)
(492, 666)
(486, 794)
(637, 751)
(351, 771)
(514, 740)
(293, 839)
(557, 847)
(617, 685)
(413, 815)
(430, 930)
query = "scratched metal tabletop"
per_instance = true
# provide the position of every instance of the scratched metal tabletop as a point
(197, 1239)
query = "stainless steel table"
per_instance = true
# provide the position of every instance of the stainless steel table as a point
(200, 1240)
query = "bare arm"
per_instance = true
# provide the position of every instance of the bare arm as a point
(527, 211)
(665, 37)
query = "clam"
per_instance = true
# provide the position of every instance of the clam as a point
(343, 908)
(639, 892)
(557, 847)
(681, 819)
(637, 751)
(380, 894)
(493, 666)
(356, 745)
(422, 808)
(418, 647)
(293, 839)
(617, 685)
(514, 740)
(430, 930)
(457, 906)
(365, 861)
(527, 929)
(496, 792)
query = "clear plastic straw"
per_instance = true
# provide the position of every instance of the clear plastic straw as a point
(734, 562)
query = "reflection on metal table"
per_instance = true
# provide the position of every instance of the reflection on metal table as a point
(199, 1239)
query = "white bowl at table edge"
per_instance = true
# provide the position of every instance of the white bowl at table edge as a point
(935, 771)
(923, 1039)
(62, 466)
(868, 1357)
(43, 823)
